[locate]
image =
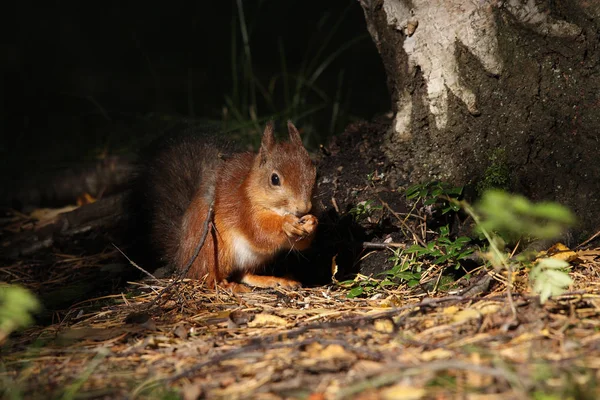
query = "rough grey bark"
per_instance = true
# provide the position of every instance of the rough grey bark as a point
(489, 90)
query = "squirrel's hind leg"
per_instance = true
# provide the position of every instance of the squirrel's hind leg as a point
(269, 281)
(235, 287)
(205, 260)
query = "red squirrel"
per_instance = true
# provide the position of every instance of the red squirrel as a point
(261, 206)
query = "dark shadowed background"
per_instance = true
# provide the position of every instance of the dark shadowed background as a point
(84, 81)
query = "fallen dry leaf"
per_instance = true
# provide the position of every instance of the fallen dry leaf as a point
(331, 358)
(84, 199)
(451, 310)
(384, 325)
(589, 256)
(313, 349)
(334, 268)
(46, 214)
(267, 321)
(466, 315)
(559, 252)
(191, 391)
(403, 392)
(335, 351)
(475, 312)
(437, 354)
(362, 367)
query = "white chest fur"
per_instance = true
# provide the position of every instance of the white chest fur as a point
(245, 255)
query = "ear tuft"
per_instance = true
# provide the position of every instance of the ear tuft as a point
(294, 134)
(268, 139)
(267, 142)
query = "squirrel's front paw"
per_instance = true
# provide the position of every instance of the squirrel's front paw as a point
(309, 223)
(299, 228)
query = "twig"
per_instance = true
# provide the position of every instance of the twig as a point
(594, 236)
(437, 281)
(134, 264)
(383, 246)
(184, 272)
(395, 214)
(207, 222)
(512, 253)
(335, 205)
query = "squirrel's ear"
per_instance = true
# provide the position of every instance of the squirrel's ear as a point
(268, 139)
(294, 134)
(267, 142)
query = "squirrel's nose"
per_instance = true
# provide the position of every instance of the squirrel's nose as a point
(303, 208)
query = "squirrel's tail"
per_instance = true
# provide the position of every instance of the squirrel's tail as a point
(177, 170)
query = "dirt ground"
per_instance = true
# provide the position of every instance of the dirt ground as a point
(312, 343)
(108, 332)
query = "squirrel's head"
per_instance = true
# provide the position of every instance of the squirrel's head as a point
(283, 177)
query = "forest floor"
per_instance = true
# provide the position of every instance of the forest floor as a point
(107, 333)
(314, 343)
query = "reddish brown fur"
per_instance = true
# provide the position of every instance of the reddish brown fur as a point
(253, 219)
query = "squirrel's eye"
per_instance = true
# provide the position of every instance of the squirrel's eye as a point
(275, 180)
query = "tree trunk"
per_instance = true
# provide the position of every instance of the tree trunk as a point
(494, 93)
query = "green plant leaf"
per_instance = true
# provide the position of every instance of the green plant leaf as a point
(550, 278)
(413, 192)
(553, 263)
(17, 306)
(415, 248)
(440, 260)
(412, 283)
(355, 292)
(514, 216)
